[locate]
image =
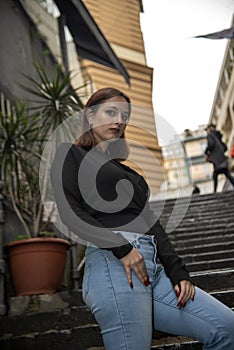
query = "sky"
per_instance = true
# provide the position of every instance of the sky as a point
(186, 69)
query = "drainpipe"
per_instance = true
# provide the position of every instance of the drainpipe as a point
(2, 262)
(63, 44)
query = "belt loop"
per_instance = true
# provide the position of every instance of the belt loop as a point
(137, 242)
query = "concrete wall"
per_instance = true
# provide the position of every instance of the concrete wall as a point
(21, 46)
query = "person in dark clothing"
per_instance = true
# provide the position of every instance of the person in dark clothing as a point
(215, 152)
(106, 203)
(196, 190)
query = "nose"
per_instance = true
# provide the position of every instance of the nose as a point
(118, 119)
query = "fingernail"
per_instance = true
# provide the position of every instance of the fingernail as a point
(177, 293)
(192, 298)
(181, 305)
(131, 284)
(146, 283)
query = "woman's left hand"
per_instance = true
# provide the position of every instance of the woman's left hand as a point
(185, 290)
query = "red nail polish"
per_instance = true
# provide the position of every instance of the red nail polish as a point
(177, 293)
(146, 283)
(131, 284)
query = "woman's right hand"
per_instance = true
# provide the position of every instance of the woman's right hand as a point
(134, 261)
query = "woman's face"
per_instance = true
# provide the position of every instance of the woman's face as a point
(110, 119)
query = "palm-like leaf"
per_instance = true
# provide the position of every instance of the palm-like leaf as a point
(57, 100)
(24, 130)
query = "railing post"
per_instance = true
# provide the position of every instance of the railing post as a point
(2, 262)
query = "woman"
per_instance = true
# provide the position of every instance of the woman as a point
(105, 203)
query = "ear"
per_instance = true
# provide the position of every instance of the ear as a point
(90, 115)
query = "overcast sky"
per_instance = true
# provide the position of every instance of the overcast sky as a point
(186, 69)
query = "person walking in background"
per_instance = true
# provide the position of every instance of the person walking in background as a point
(215, 153)
(124, 286)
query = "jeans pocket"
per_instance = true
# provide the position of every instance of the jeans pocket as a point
(85, 282)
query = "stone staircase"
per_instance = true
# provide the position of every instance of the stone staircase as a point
(205, 240)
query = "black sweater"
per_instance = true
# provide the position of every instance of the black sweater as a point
(106, 195)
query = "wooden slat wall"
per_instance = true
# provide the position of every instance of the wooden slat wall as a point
(119, 21)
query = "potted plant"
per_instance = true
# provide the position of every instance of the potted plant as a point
(37, 262)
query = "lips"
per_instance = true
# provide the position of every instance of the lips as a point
(115, 130)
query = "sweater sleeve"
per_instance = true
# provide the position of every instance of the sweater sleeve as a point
(64, 179)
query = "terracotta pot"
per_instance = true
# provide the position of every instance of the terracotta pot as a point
(37, 265)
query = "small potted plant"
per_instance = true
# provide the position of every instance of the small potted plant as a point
(36, 262)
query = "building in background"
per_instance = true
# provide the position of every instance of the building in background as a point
(186, 167)
(222, 112)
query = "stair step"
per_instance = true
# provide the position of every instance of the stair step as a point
(187, 238)
(199, 213)
(198, 219)
(208, 256)
(199, 233)
(220, 228)
(225, 296)
(214, 280)
(210, 265)
(213, 247)
(186, 345)
(181, 345)
(30, 323)
(64, 339)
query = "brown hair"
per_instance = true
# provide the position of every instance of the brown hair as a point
(117, 150)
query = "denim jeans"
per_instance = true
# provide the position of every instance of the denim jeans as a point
(126, 316)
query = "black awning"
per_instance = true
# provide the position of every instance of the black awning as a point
(90, 41)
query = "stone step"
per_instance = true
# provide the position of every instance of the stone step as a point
(219, 197)
(210, 265)
(201, 210)
(86, 339)
(201, 214)
(176, 343)
(225, 296)
(221, 228)
(205, 223)
(191, 238)
(187, 241)
(202, 248)
(214, 280)
(189, 212)
(72, 338)
(183, 345)
(208, 256)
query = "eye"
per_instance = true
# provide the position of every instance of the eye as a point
(125, 118)
(111, 112)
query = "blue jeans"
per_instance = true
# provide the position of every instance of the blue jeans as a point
(126, 316)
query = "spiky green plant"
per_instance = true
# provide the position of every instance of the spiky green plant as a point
(24, 130)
